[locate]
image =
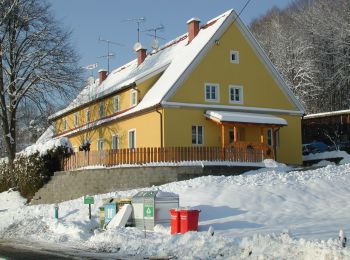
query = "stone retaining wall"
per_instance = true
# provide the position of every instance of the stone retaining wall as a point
(74, 184)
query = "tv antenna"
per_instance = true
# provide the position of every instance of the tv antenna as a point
(138, 21)
(109, 54)
(155, 41)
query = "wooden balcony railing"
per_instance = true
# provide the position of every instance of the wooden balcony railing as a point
(141, 156)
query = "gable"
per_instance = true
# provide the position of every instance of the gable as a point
(262, 86)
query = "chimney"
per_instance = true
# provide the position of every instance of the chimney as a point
(102, 75)
(193, 28)
(141, 55)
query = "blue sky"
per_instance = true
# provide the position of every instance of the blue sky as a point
(91, 19)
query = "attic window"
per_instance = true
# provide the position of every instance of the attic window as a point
(102, 109)
(234, 57)
(133, 98)
(116, 103)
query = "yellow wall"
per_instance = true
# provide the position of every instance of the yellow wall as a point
(147, 128)
(259, 87)
(179, 121)
(124, 103)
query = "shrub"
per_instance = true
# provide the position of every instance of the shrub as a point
(31, 171)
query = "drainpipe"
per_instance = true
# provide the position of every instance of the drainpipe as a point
(161, 127)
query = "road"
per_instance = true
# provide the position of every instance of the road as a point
(12, 250)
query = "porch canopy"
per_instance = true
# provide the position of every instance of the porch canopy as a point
(248, 118)
(239, 119)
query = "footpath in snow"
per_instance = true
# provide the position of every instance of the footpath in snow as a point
(268, 213)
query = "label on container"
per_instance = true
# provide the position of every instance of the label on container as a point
(148, 211)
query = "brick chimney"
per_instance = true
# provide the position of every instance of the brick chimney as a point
(193, 28)
(102, 75)
(141, 55)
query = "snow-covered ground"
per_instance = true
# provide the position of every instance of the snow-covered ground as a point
(267, 214)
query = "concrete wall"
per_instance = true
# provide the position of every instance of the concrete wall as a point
(74, 184)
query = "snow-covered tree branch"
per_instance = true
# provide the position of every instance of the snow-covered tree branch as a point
(37, 64)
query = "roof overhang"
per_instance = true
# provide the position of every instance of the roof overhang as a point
(244, 118)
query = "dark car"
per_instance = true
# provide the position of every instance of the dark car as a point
(315, 147)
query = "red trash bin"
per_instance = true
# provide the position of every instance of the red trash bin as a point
(189, 220)
(174, 221)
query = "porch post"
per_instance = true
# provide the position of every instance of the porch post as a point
(222, 142)
(222, 136)
(234, 134)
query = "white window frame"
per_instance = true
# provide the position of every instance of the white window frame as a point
(65, 124)
(101, 112)
(115, 141)
(197, 143)
(133, 94)
(134, 131)
(76, 123)
(241, 96)
(99, 142)
(116, 101)
(87, 115)
(217, 92)
(236, 53)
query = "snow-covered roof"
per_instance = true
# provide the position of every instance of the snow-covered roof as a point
(224, 116)
(177, 59)
(173, 58)
(325, 114)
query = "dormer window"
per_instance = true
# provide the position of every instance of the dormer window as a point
(234, 57)
(75, 119)
(65, 127)
(116, 103)
(102, 109)
(133, 98)
(88, 116)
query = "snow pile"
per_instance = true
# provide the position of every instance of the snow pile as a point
(11, 200)
(249, 214)
(327, 155)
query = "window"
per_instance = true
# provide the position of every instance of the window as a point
(65, 127)
(197, 134)
(132, 138)
(115, 142)
(231, 135)
(234, 57)
(236, 94)
(88, 116)
(133, 98)
(75, 119)
(269, 137)
(102, 109)
(212, 92)
(116, 103)
(100, 144)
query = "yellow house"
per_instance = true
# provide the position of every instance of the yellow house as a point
(211, 87)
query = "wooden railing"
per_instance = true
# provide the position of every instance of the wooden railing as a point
(141, 156)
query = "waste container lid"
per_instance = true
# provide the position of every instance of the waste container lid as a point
(155, 193)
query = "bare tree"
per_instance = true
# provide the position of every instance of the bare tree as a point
(37, 63)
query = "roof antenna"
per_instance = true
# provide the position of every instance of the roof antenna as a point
(109, 54)
(138, 22)
(155, 41)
